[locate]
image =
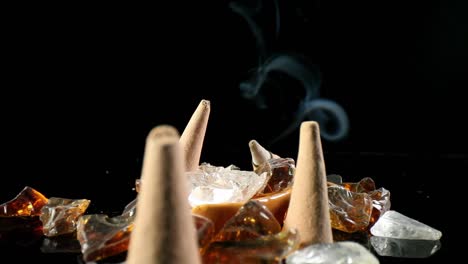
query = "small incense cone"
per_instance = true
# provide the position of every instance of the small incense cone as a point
(259, 154)
(164, 230)
(194, 134)
(308, 208)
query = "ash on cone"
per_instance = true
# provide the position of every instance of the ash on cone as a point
(259, 154)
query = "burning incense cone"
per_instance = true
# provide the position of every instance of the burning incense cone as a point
(308, 208)
(259, 154)
(164, 230)
(194, 134)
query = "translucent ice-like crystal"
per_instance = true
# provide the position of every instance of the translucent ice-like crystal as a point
(212, 184)
(404, 248)
(335, 253)
(59, 216)
(395, 225)
(349, 211)
(101, 236)
(280, 174)
(28, 202)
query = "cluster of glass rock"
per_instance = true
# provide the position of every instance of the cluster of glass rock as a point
(239, 218)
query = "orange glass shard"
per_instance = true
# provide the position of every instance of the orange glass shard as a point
(380, 197)
(28, 202)
(253, 220)
(276, 203)
(205, 230)
(137, 185)
(59, 216)
(101, 236)
(365, 185)
(270, 249)
(251, 236)
(380, 202)
(20, 228)
(280, 173)
(349, 211)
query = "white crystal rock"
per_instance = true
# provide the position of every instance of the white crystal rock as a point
(395, 225)
(211, 184)
(336, 253)
(404, 248)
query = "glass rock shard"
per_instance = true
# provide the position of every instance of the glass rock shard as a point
(365, 185)
(334, 178)
(339, 252)
(404, 248)
(252, 235)
(395, 225)
(59, 216)
(270, 249)
(28, 202)
(349, 211)
(277, 204)
(101, 236)
(61, 244)
(253, 220)
(280, 174)
(210, 184)
(205, 230)
(380, 203)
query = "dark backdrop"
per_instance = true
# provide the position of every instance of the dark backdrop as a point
(85, 84)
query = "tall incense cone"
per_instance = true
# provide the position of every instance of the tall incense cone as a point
(308, 208)
(194, 134)
(164, 230)
(259, 154)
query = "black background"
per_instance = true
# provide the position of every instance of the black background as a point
(85, 84)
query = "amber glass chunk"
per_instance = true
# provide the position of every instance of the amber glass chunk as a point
(380, 202)
(59, 216)
(253, 220)
(137, 185)
(28, 202)
(349, 211)
(276, 203)
(270, 249)
(380, 197)
(365, 185)
(280, 174)
(20, 229)
(252, 235)
(101, 236)
(205, 230)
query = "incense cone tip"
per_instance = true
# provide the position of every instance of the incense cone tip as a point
(205, 103)
(310, 125)
(163, 131)
(253, 143)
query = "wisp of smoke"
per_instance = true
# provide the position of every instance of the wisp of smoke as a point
(333, 120)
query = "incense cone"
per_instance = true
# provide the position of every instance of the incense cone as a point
(194, 134)
(259, 154)
(164, 230)
(308, 208)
